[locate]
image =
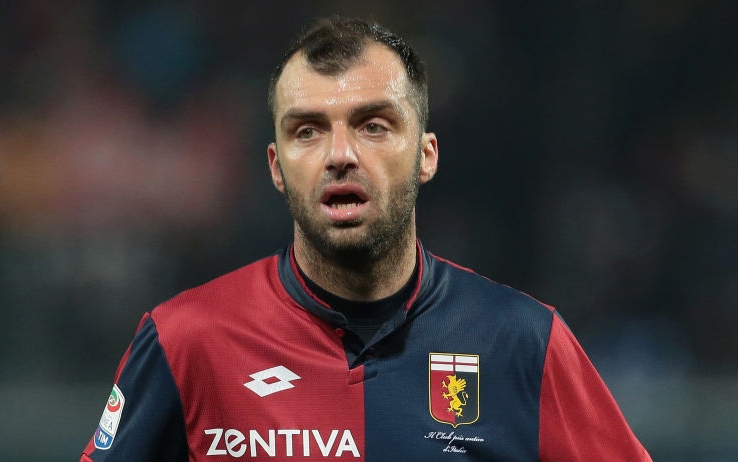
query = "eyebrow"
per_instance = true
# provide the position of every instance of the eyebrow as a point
(296, 114)
(377, 106)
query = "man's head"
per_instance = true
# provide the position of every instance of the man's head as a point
(334, 44)
(350, 150)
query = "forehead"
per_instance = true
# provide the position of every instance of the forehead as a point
(378, 74)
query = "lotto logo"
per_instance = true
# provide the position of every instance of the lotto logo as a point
(264, 381)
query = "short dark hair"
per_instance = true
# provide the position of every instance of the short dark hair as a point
(334, 44)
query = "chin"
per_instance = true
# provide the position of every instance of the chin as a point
(358, 249)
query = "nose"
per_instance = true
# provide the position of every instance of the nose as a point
(342, 153)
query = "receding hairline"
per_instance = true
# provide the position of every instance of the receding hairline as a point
(412, 93)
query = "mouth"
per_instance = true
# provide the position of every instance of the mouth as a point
(344, 196)
(344, 203)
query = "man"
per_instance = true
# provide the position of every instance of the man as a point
(355, 342)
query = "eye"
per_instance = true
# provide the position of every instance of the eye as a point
(305, 133)
(373, 128)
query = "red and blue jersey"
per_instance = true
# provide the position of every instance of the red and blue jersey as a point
(253, 366)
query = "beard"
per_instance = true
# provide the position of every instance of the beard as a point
(339, 242)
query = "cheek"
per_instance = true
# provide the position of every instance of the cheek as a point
(402, 165)
(300, 176)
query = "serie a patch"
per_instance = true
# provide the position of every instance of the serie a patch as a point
(453, 388)
(106, 430)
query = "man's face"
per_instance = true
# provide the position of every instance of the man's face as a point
(349, 154)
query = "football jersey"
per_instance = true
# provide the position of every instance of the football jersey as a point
(253, 366)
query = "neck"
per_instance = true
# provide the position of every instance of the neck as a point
(365, 280)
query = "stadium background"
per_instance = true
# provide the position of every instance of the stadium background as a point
(589, 157)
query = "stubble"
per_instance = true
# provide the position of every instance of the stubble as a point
(381, 238)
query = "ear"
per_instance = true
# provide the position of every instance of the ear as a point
(429, 157)
(273, 158)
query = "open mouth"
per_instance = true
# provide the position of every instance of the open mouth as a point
(344, 201)
(344, 196)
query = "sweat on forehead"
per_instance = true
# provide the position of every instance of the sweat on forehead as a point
(335, 44)
(376, 81)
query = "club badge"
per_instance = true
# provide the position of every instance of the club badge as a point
(453, 388)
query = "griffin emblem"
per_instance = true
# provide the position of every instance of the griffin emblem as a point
(455, 389)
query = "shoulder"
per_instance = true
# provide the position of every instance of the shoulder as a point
(221, 297)
(478, 289)
(464, 299)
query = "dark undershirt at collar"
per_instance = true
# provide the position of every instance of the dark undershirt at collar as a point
(365, 318)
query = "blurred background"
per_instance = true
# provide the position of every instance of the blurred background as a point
(589, 157)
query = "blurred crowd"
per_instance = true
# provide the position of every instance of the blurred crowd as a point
(588, 156)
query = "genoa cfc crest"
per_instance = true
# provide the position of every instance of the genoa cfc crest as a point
(453, 388)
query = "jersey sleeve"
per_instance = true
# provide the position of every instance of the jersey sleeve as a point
(143, 419)
(579, 418)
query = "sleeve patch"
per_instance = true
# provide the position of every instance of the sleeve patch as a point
(105, 433)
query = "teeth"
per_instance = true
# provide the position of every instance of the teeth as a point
(344, 206)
